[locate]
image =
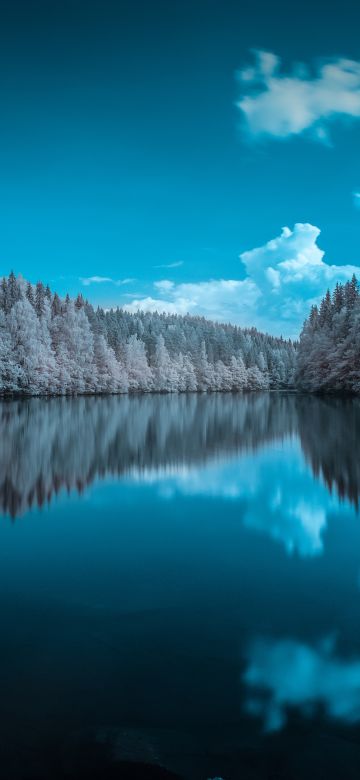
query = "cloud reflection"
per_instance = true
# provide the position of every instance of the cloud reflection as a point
(249, 449)
(276, 492)
(288, 675)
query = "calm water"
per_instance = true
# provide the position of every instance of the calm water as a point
(180, 586)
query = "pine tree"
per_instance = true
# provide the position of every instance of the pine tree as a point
(328, 355)
(4, 296)
(30, 294)
(40, 299)
(13, 291)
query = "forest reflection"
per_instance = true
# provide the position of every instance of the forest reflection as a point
(49, 445)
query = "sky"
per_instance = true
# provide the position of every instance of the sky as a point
(193, 155)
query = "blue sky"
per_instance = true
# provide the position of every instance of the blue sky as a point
(156, 145)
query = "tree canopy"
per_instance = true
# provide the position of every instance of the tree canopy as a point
(50, 345)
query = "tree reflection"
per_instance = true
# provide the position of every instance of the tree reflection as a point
(329, 430)
(55, 444)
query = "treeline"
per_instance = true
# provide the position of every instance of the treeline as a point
(328, 358)
(50, 345)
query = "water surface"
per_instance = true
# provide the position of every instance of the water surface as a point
(180, 586)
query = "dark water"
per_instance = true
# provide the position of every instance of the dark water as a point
(180, 587)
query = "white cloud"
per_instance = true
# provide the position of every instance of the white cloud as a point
(88, 280)
(282, 105)
(291, 275)
(156, 304)
(177, 264)
(356, 197)
(217, 299)
(286, 674)
(164, 285)
(284, 277)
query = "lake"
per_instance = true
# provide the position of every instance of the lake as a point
(180, 587)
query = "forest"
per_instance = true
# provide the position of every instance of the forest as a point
(54, 346)
(328, 357)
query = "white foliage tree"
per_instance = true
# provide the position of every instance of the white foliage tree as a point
(137, 366)
(54, 346)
